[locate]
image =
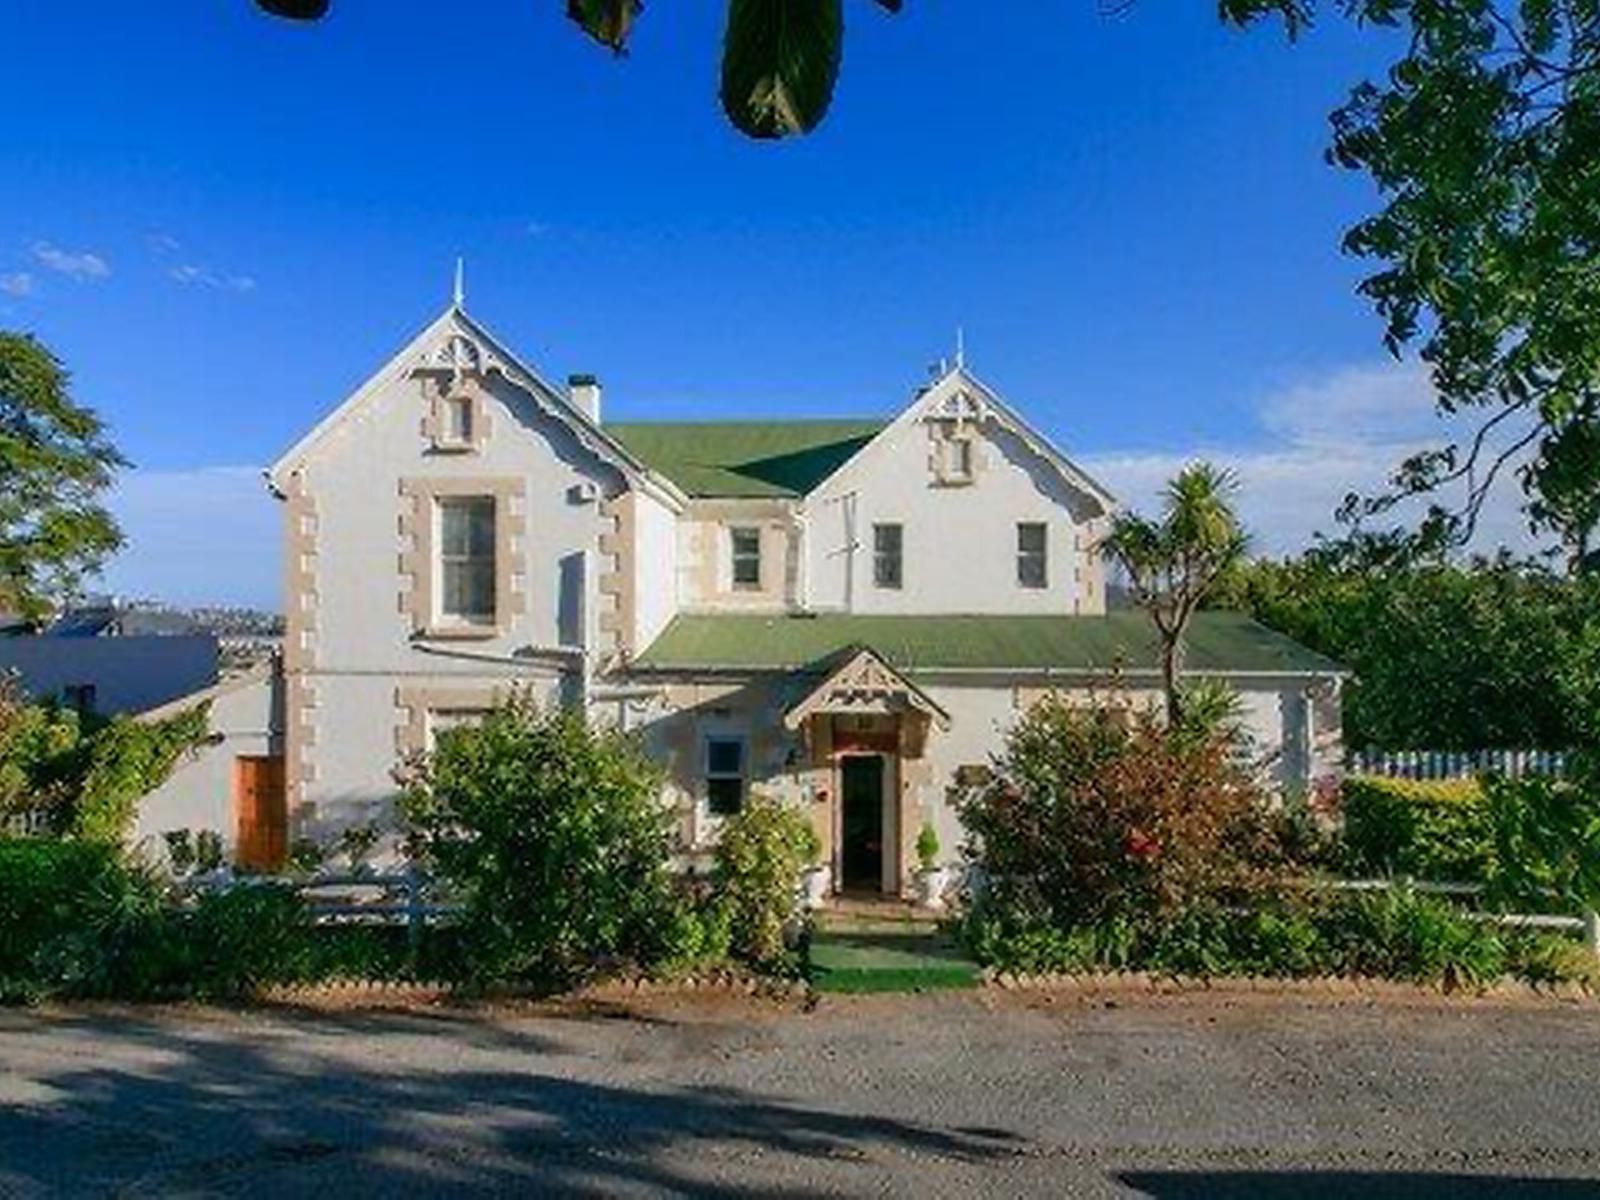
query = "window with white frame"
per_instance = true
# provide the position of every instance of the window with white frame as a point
(888, 541)
(1033, 568)
(467, 559)
(746, 547)
(725, 775)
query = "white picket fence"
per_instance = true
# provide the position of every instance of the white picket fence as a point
(1457, 764)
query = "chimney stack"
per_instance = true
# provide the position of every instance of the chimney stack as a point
(584, 392)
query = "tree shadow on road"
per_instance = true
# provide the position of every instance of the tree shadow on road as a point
(285, 1109)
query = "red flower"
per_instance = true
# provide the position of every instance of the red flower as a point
(1140, 844)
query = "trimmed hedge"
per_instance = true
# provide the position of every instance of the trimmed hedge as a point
(1438, 830)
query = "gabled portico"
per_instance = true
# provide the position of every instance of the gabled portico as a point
(866, 729)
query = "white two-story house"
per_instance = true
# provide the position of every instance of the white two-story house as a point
(846, 614)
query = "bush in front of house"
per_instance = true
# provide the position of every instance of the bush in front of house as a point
(1436, 830)
(552, 837)
(1094, 813)
(761, 853)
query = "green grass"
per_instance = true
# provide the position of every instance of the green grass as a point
(888, 959)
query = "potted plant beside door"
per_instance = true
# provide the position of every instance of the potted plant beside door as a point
(932, 879)
(817, 876)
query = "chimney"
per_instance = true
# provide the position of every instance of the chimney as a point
(584, 392)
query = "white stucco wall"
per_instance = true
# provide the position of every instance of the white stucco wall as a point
(959, 542)
(656, 561)
(245, 720)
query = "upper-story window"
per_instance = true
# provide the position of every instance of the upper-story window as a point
(467, 559)
(746, 546)
(1033, 568)
(887, 565)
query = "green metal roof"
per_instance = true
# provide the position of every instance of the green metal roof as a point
(745, 458)
(1217, 642)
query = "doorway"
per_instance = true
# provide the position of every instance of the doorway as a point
(861, 823)
(262, 832)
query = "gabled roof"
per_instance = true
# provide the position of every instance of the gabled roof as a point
(726, 459)
(1219, 643)
(495, 357)
(861, 678)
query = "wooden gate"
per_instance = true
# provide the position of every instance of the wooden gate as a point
(262, 809)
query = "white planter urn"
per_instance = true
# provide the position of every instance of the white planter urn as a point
(932, 884)
(817, 883)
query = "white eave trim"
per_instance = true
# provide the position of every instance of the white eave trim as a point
(551, 399)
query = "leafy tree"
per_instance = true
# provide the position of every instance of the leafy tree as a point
(1482, 143)
(1490, 654)
(1171, 564)
(55, 463)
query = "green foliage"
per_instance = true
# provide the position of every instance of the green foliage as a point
(928, 847)
(1480, 140)
(86, 781)
(75, 920)
(56, 462)
(1436, 831)
(126, 760)
(180, 850)
(208, 851)
(552, 837)
(1546, 840)
(761, 852)
(1094, 812)
(1391, 934)
(1507, 654)
(1172, 564)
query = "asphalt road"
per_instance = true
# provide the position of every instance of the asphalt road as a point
(976, 1094)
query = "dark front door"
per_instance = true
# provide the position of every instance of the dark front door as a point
(861, 852)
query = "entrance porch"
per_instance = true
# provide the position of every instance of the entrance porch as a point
(866, 730)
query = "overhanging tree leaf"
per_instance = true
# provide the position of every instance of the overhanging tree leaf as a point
(779, 63)
(296, 10)
(607, 21)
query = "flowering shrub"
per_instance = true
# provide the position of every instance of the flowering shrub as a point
(1096, 812)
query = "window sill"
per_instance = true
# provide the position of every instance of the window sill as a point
(461, 633)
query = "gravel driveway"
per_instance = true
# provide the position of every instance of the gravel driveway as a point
(963, 1094)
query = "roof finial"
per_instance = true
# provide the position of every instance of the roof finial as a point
(961, 348)
(459, 296)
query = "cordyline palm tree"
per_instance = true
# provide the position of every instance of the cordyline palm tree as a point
(780, 58)
(1172, 563)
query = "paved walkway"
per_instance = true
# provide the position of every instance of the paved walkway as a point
(974, 1094)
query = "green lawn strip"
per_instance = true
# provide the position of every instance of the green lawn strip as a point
(888, 960)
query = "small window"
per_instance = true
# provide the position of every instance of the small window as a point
(746, 557)
(1032, 556)
(887, 543)
(960, 460)
(724, 775)
(466, 559)
(457, 421)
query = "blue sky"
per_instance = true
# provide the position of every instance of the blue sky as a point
(223, 223)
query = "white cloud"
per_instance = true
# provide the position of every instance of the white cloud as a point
(80, 264)
(203, 276)
(17, 283)
(205, 535)
(1319, 440)
(162, 244)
